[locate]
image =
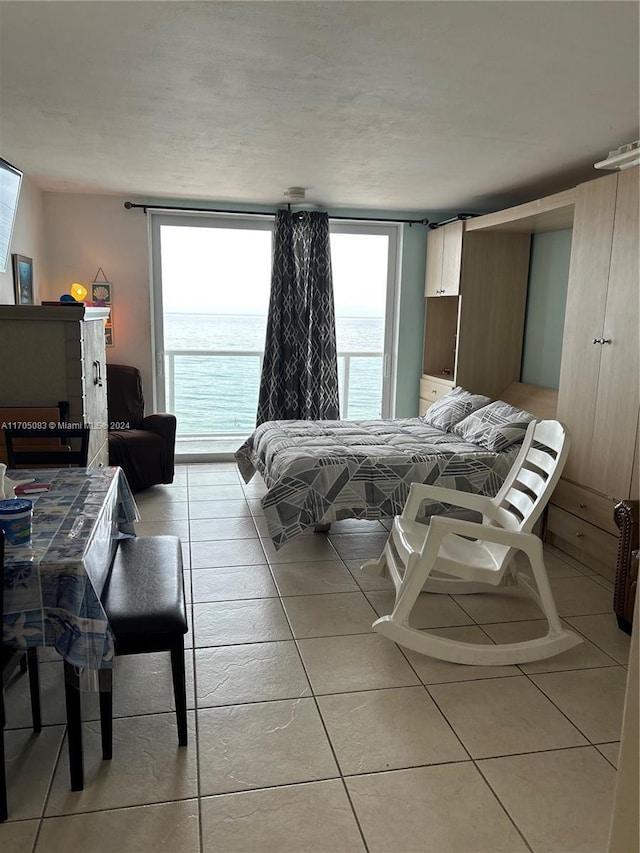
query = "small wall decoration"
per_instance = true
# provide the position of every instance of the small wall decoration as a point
(101, 296)
(23, 279)
(101, 293)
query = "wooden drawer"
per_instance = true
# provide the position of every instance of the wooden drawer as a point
(584, 541)
(433, 389)
(423, 405)
(590, 506)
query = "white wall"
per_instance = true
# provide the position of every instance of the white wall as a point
(28, 239)
(86, 232)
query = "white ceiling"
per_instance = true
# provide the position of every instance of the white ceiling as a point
(389, 105)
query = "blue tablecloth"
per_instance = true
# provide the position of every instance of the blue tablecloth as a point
(52, 587)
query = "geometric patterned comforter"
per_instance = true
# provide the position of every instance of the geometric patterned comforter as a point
(322, 471)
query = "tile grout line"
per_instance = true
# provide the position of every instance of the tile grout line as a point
(49, 789)
(196, 732)
(323, 723)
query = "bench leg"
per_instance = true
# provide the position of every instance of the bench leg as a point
(4, 812)
(179, 689)
(74, 727)
(105, 677)
(34, 688)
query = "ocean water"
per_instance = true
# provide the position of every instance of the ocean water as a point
(219, 394)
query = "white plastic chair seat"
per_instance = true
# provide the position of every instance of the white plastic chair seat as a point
(410, 536)
(452, 555)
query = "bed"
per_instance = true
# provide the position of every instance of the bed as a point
(317, 472)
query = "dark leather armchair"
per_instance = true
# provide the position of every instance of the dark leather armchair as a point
(144, 447)
(626, 583)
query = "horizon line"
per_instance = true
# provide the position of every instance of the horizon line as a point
(249, 314)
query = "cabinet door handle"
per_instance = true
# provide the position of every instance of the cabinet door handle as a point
(97, 374)
(580, 535)
(582, 506)
(597, 341)
(606, 341)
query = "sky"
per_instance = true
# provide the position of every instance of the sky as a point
(227, 271)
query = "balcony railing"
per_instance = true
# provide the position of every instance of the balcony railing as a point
(219, 398)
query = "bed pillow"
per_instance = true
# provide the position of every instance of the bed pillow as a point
(453, 407)
(496, 426)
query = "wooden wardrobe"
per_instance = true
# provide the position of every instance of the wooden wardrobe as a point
(475, 296)
(599, 393)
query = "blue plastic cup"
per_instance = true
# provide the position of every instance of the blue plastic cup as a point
(15, 520)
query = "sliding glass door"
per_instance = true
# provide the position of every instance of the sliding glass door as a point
(364, 266)
(211, 277)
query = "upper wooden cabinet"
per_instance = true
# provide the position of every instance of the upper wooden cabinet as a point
(476, 290)
(54, 353)
(599, 394)
(444, 260)
(473, 337)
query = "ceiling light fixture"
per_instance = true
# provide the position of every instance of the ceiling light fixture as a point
(295, 194)
(623, 157)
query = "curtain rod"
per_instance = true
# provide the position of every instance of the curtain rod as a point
(460, 217)
(129, 205)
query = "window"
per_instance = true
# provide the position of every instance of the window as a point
(211, 295)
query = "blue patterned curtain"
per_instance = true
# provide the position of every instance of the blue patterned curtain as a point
(300, 369)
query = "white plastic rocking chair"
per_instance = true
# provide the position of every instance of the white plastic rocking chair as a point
(451, 555)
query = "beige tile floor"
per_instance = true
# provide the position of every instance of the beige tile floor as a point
(309, 732)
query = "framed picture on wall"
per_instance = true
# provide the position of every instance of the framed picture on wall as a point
(101, 296)
(101, 293)
(23, 279)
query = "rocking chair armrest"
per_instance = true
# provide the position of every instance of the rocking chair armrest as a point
(440, 526)
(420, 492)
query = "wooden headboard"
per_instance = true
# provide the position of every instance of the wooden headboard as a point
(541, 402)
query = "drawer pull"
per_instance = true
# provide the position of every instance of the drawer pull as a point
(582, 506)
(580, 535)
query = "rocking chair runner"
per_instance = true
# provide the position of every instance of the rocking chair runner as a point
(451, 555)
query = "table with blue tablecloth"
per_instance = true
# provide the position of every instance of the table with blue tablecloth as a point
(52, 586)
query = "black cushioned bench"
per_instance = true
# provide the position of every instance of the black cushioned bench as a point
(145, 605)
(144, 602)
